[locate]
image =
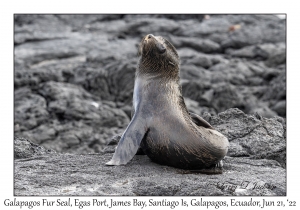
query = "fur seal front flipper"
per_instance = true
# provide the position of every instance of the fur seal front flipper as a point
(140, 150)
(129, 142)
(200, 121)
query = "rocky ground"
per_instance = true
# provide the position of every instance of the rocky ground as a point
(74, 74)
(73, 85)
(255, 165)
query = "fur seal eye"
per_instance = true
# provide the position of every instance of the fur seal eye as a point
(161, 49)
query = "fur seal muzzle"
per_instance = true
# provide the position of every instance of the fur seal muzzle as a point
(161, 124)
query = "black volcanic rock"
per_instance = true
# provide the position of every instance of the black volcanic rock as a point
(256, 157)
(74, 74)
(26, 149)
(251, 135)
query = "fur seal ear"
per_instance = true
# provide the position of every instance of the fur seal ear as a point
(169, 45)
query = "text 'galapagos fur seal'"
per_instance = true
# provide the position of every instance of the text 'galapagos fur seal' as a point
(161, 124)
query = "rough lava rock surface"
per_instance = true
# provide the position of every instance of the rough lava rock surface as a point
(74, 74)
(73, 85)
(249, 168)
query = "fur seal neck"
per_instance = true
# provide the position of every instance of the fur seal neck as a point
(159, 68)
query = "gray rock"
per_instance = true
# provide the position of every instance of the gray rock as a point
(280, 107)
(26, 149)
(189, 56)
(87, 175)
(193, 73)
(276, 92)
(268, 31)
(194, 107)
(144, 25)
(74, 74)
(255, 166)
(142, 177)
(252, 30)
(202, 45)
(276, 59)
(30, 109)
(266, 51)
(263, 110)
(74, 119)
(183, 16)
(251, 136)
(84, 22)
(214, 25)
(36, 28)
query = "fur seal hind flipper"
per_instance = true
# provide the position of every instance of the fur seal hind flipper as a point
(200, 121)
(129, 142)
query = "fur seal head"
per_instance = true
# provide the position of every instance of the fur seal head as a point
(158, 54)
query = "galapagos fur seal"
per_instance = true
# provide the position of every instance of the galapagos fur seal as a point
(161, 124)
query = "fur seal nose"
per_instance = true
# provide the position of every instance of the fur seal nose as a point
(149, 36)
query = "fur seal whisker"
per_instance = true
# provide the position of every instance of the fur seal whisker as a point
(171, 63)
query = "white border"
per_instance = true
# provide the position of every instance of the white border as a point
(8, 8)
